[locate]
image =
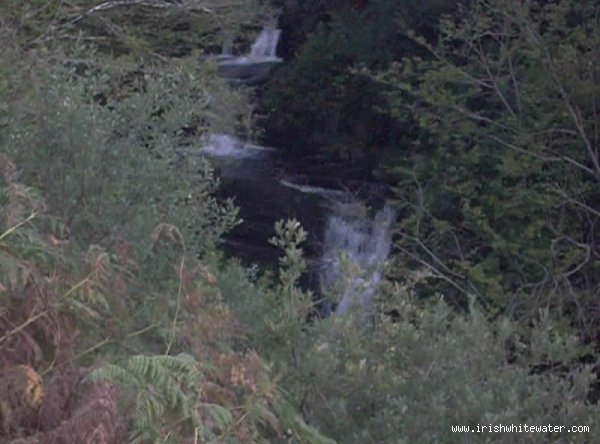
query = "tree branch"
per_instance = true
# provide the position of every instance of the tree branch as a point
(573, 110)
(574, 201)
(157, 4)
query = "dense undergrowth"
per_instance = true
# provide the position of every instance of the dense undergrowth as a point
(111, 328)
(120, 321)
(169, 343)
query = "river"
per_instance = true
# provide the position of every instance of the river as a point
(348, 220)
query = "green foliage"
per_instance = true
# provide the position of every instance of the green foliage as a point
(161, 385)
(273, 313)
(288, 237)
(319, 100)
(107, 141)
(499, 192)
(208, 392)
(334, 103)
(410, 379)
(44, 279)
(109, 167)
(500, 183)
(167, 398)
(160, 28)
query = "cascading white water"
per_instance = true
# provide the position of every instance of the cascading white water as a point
(257, 64)
(325, 192)
(351, 238)
(364, 244)
(254, 66)
(223, 145)
(265, 44)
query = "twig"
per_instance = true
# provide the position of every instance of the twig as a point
(17, 226)
(173, 229)
(492, 78)
(544, 157)
(157, 4)
(437, 272)
(570, 199)
(573, 110)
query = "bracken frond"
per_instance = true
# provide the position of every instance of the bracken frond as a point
(166, 387)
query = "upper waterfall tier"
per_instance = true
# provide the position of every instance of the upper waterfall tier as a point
(258, 63)
(265, 44)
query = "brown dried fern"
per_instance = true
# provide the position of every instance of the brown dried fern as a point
(96, 420)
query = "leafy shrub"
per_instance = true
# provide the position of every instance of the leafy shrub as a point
(108, 143)
(500, 184)
(413, 377)
(318, 101)
(50, 292)
(411, 380)
(109, 168)
(160, 28)
(54, 319)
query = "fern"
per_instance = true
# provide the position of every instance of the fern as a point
(220, 415)
(167, 396)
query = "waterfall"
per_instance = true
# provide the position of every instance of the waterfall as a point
(265, 44)
(351, 239)
(363, 244)
(226, 49)
(257, 64)
(226, 146)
